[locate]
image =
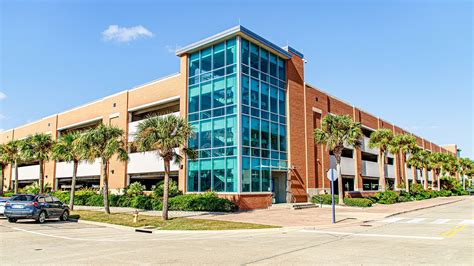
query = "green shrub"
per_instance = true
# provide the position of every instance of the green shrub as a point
(201, 202)
(134, 189)
(94, 200)
(387, 197)
(403, 199)
(141, 202)
(7, 194)
(325, 198)
(416, 189)
(359, 202)
(156, 204)
(445, 193)
(173, 190)
(83, 195)
(63, 196)
(34, 188)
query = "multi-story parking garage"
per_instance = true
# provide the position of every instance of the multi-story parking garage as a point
(254, 116)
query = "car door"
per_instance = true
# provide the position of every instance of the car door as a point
(49, 206)
(58, 205)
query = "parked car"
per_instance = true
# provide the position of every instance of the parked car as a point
(3, 201)
(37, 207)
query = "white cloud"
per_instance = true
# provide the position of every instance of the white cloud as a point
(2, 96)
(124, 34)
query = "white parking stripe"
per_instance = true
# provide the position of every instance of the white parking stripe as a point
(392, 220)
(415, 221)
(467, 222)
(441, 221)
(373, 235)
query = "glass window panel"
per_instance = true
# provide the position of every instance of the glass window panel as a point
(255, 93)
(265, 143)
(231, 110)
(205, 134)
(218, 73)
(275, 154)
(205, 154)
(263, 61)
(256, 180)
(205, 174)
(281, 102)
(246, 151)
(256, 152)
(194, 117)
(282, 135)
(246, 110)
(274, 136)
(218, 112)
(230, 52)
(255, 133)
(194, 64)
(273, 99)
(218, 58)
(231, 130)
(266, 180)
(218, 152)
(245, 130)
(273, 65)
(218, 139)
(193, 99)
(265, 115)
(206, 115)
(264, 97)
(219, 92)
(206, 100)
(254, 57)
(230, 69)
(265, 154)
(245, 89)
(193, 176)
(245, 174)
(218, 174)
(281, 69)
(206, 60)
(194, 140)
(231, 174)
(245, 69)
(274, 118)
(254, 73)
(245, 52)
(230, 89)
(255, 112)
(193, 80)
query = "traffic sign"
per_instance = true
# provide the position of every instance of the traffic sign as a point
(332, 174)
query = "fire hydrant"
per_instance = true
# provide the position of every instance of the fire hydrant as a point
(135, 216)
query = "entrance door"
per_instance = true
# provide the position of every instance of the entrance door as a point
(279, 186)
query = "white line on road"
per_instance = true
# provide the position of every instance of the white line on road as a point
(392, 220)
(440, 221)
(467, 222)
(415, 221)
(373, 235)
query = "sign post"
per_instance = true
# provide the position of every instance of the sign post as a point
(332, 175)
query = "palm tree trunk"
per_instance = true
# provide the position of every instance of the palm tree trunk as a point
(397, 172)
(1, 178)
(425, 175)
(164, 212)
(73, 185)
(382, 170)
(414, 173)
(16, 177)
(41, 180)
(439, 178)
(105, 185)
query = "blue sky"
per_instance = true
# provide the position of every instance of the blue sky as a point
(409, 62)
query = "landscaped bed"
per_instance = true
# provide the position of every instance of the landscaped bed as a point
(126, 219)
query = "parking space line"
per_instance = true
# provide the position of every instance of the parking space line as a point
(415, 220)
(373, 235)
(440, 221)
(453, 231)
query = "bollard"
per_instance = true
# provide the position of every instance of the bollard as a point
(135, 216)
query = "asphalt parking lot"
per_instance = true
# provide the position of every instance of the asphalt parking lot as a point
(441, 235)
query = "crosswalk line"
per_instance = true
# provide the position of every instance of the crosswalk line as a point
(467, 222)
(415, 220)
(440, 221)
(393, 220)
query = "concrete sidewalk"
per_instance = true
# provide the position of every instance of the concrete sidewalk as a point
(171, 214)
(322, 216)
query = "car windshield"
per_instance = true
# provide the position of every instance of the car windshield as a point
(23, 198)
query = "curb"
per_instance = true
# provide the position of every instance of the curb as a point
(116, 226)
(422, 208)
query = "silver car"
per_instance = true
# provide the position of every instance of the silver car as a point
(3, 201)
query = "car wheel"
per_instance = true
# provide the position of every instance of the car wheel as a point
(64, 216)
(41, 217)
(11, 220)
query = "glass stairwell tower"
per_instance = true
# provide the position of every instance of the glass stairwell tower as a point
(237, 106)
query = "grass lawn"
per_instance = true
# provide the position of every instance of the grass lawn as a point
(126, 219)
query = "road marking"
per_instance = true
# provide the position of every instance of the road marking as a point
(441, 221)
(373, 235)
(392, 220)
(467, 222)
(415, 221)
(451, 232)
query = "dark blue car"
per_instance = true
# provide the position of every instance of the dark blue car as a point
(37, 207)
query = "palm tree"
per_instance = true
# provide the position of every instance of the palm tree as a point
(66, 149)
(465, 167)
(103, 142)
(11, 154)
(419, 160)
(165, 135)
(381, 139)
(37, 147)
(406, 144)
(451, 164)
(2, 167)
(436, 162)
(335, 131)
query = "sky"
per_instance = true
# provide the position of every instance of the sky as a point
(408, 62)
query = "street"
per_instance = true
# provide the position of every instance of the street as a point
(439, 235)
